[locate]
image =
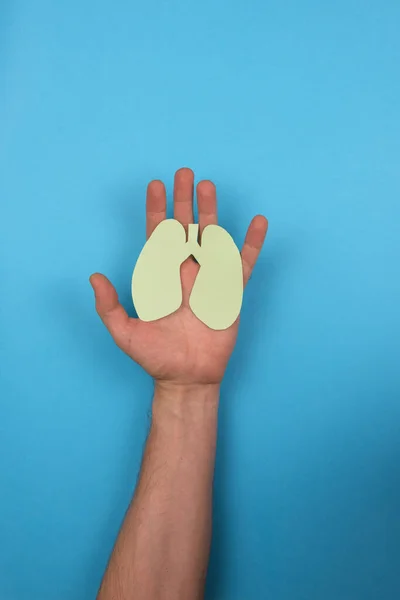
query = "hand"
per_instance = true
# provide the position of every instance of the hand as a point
(178, 349)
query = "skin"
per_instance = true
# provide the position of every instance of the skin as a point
(162, 549)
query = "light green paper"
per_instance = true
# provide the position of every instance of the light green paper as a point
(217, 293)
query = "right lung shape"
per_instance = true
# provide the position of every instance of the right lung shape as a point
(216, 297)
(217, 294)
(156, 280)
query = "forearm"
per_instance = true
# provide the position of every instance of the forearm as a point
(162, 550)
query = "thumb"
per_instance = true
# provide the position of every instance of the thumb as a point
(109, 309)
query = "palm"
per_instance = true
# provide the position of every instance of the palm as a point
(179, 347)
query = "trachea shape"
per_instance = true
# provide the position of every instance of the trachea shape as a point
(217, 293)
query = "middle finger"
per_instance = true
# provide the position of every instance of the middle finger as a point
(183, 196)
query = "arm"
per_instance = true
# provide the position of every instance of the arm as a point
(162, 550)
(165, 539)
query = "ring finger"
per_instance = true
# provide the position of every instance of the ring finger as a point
(207, 204)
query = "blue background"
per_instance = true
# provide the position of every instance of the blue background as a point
(293, 109)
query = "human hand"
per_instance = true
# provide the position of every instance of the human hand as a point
(178, 349)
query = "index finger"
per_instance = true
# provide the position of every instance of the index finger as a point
(156, 205)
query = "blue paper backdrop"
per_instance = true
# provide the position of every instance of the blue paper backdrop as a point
(293, 109)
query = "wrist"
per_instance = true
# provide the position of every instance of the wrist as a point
(185, 402)
(185, 392)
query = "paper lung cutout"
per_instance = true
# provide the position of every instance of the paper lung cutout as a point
(217, 293)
